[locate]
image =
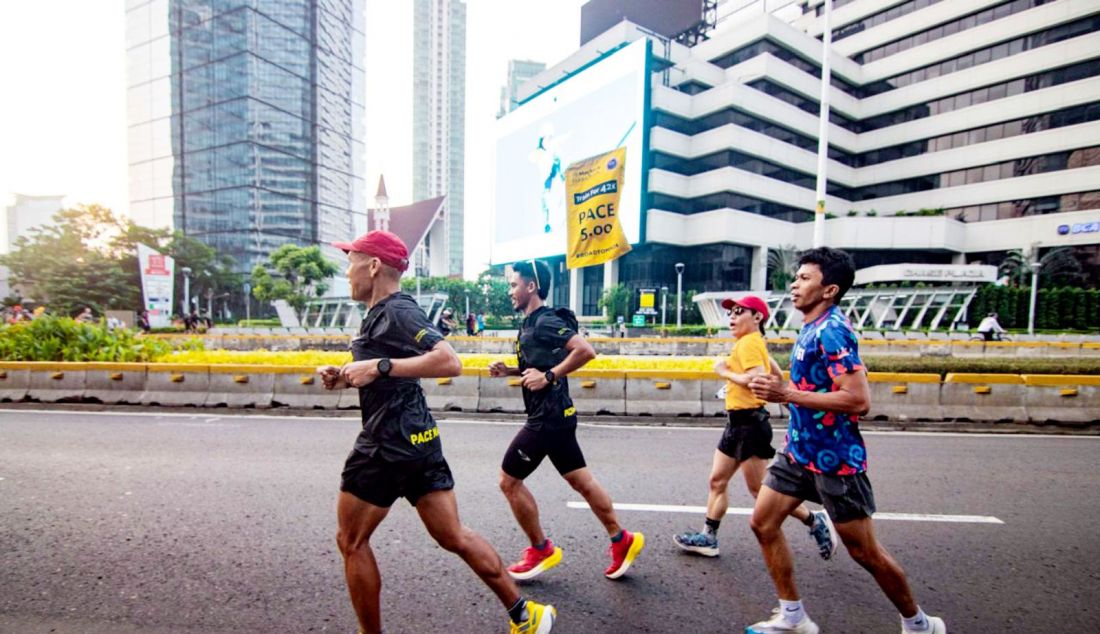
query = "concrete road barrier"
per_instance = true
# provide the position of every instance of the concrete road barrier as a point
(456, 393)
(176, 384)
(115, 382)
(1062, 398)
(241, 386)
(349, 399)
(983, 397)
(904, 396)
(598, 392)
(15, 380)
(300, 386)
(664, 393)
(711, 404)
(56, 381)
(501, 394)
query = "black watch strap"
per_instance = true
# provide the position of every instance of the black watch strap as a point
(384, 367)
(550, 376)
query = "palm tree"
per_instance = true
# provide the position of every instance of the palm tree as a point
(782, 263)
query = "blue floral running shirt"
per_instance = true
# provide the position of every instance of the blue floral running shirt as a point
(825, 442)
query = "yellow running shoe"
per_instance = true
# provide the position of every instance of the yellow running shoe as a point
(540, 619)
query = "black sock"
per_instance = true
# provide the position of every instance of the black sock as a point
(618, 538)
(809, 521)
(518, 612)
(713, 525)
(542, 546)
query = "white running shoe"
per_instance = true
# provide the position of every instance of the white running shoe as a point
(777, 624)
(936, 626)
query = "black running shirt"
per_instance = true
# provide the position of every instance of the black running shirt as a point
(396, 420)
(541, 345)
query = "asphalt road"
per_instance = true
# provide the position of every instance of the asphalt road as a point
(146, 522)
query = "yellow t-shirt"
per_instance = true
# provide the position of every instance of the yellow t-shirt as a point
(748, 352)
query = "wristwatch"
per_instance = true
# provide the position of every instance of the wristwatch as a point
(550, 376)
(384, 367)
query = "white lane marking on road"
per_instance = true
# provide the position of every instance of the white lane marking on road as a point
(737, 510)
(208, 425)
(354, 415)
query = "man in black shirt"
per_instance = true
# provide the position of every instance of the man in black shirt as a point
(548, 348)
(399, 453)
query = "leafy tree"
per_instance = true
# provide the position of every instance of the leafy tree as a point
(616, 301)
(74, 262)
(296, 274)
(488, 295)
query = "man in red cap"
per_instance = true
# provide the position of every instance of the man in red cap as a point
(747, 439)
(399, 453)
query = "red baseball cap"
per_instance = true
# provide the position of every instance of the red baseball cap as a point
(752, 302)
(380, 244)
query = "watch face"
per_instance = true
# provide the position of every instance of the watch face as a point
(384, 366)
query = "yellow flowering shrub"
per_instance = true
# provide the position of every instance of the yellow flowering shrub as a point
(317, 358)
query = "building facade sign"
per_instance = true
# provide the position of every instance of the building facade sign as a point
(955, 273)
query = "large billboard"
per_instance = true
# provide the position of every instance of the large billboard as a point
(596, 110)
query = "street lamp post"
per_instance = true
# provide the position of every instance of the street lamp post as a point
(823, 131)
(664, 304)
(186, 289)
(679, 293)
(1034, 291)
(248, 301)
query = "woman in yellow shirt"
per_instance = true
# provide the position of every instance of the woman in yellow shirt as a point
(747, 439)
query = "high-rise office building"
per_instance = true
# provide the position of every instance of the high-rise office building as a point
(246, 120)
(958, 131)
(519, 71)
(439, 128)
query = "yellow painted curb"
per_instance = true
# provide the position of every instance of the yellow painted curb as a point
(1060, 380)
(902, 377)
(1003, 379)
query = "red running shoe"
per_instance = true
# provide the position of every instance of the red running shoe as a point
(535, 561)
(623, 553)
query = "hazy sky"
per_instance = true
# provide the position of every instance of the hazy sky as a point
(63, 110)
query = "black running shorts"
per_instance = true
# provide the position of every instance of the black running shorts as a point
(380, 482)
(529, 447)
(846, 498)
(748, 434)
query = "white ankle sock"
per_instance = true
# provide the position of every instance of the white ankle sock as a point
(917, 623)
(792, 611)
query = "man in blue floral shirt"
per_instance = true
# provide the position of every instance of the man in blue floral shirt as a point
(825, 460)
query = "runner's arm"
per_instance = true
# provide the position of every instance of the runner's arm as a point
(741, 379)
(440, 361)
(580, 353)
(500, 368)
(852, 396)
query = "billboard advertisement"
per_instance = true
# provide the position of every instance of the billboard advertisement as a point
(156, 285)
(598, 109)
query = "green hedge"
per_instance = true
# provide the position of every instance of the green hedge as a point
(51, 338)
(992, 365)
(1068, 308)
(685, 331)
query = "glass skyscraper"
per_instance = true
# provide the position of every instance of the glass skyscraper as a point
(246, 120)
(439, 127)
